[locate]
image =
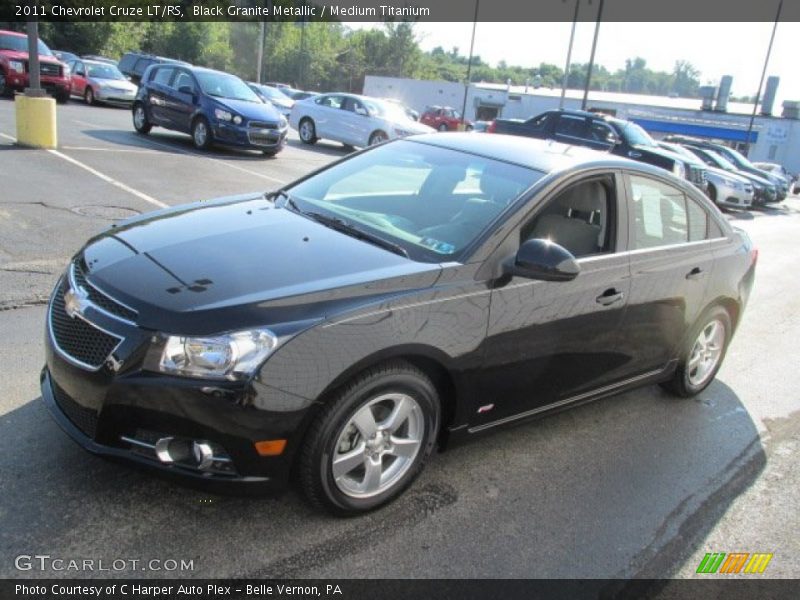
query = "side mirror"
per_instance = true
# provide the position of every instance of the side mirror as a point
(545, 260)
(362, 111)
(186, 89)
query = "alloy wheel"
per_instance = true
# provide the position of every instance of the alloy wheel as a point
(200, 134)
(139, 118)
(706, 353)
(377, 138)
(306, 131)
(378, 445)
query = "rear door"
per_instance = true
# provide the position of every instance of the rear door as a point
(671, 263)
(158, 95)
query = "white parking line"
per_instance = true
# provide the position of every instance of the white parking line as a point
(216, 160)
(110, 180)
(97, 149)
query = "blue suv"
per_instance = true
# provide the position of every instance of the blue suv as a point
(211, 106)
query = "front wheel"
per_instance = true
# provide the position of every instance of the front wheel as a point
(62, 97)
(443, 127)
(4, 89)
(201, 134)
(702, 356)
(377, 138)
(140, 122)
(88, 96)
(371, 439)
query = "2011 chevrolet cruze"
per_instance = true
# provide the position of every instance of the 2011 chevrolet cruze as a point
(429, 288)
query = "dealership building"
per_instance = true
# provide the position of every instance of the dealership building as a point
(774, 137)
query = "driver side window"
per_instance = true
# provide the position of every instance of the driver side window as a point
(581, 218)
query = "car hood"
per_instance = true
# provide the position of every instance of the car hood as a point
(727, 174)
(122, 84)
(17, 55)
(414, 127)
(234, 263)
(250, 110)
(752, 177)
(674, 156)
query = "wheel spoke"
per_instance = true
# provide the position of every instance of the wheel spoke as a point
(404, 447)
(372, 474)
(365, 422)
(694, 360)
(344, 463)
(399, 415)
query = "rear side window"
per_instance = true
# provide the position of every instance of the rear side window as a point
(141, 65)
(698, 221)
(660, 216)
(162, 75)
(571, 126)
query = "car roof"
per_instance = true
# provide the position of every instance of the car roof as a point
(542, 155)
(14, 33)
(92, 61)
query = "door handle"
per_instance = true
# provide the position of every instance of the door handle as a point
(634, 154)
(609, 297)
(696, 273)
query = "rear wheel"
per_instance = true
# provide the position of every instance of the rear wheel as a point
(702, 356)
(307, 131)
(201, 134)
(443, 127)
(712, 193)
(140, 122)
(371, 439)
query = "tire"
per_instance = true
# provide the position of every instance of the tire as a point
(378, 137)
(88, 96)
(709, 337)
(269, 153)
(5, 90)
(370, 400)
(712, 194)
(307, 131)
(443, 127)
(140, 122)
(202, 138)
(349, 147)
(62, 97)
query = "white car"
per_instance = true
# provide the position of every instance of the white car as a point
(352, 120)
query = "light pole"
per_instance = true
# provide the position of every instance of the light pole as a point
(569, 55)
(761, 83)
(591, 57)
(469, 66)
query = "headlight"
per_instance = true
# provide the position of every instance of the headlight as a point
(16, 65)
(403, 132)
(283, 123)
(678, 170)
(67, 70)
(731, 183)
(222, 115)
(237, 119)
(232, 356)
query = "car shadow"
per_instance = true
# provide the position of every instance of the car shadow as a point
(637, 481)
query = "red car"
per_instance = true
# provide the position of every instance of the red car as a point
(443, 118)
(55, 75)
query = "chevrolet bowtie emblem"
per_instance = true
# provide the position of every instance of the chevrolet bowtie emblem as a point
(75, 301)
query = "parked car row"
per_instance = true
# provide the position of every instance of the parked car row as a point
(724, 174)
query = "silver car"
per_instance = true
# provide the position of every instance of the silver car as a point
(724, 187)
(97, 81)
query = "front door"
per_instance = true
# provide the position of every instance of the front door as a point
(550, 341)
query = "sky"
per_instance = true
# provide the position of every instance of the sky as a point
(716, 49)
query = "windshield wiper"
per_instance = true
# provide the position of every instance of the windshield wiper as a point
(343, 226)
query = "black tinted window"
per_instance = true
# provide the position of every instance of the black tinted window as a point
(141, 65)
(162, 75)
(571, 126)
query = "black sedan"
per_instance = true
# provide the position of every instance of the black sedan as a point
(340, 328)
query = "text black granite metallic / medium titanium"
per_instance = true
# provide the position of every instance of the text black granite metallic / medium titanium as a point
(423, 290)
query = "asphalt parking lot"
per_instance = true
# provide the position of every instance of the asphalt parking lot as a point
(641, 484)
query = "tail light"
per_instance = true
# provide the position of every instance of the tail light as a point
(492, 127)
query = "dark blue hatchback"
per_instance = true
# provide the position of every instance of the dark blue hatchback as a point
(211, 106)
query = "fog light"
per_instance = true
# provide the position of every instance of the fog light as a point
(203, 454)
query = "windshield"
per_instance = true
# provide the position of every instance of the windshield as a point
(387, 110)
(721, 161)
(738, 158)
(273, 93)
(433, 202)
(637, 136)
(679, 150)
(104, 72)
(222, 85)
(20, 44)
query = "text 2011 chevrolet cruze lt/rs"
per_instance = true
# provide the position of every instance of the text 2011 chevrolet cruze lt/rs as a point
(434, 287)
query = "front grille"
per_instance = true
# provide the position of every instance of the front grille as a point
(83, 418)
(262, 139)
(99, 298)
(263, 125)
(47, 69)
(76, 338)
(697, 175)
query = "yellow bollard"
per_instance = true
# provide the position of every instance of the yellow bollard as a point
(36, 121)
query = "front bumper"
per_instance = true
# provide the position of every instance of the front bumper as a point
(246, 136)
(115, 96)
(53, 85)
(736, 197)
(116, 408)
